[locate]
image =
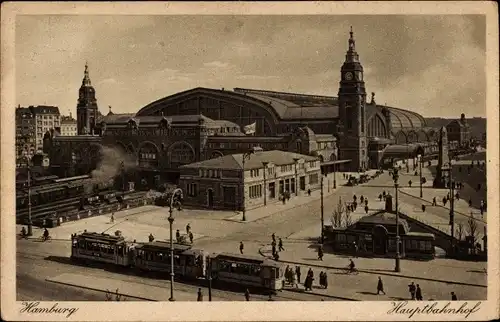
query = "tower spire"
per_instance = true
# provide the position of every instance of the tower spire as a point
(86, 77)
(352, 42)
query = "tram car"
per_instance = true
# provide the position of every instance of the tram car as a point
(248, 270)
(155, 257)
(189, 263)
(102, 248)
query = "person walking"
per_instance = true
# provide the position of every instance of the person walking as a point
(200, 295)
(412, 290)
(418, 293)
(454, 296)
(151, 237)
(297, 271)
(112, 217)
(188, 228)
(241, 247)
(434, 203)
(380, 286)
(366, 209)
(247, 295)
(294, 279)
(320, 253)
(409, 183)
(325, 280)
(191, 237)
(280, 245)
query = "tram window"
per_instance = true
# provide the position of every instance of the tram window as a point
(119, 250)
(422, 245)
(74, 243)
(428, 245)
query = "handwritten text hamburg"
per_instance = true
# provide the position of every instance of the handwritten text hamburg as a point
(34, 308)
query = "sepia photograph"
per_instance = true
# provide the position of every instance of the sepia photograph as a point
(249, 153)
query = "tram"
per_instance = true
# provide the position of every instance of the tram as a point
(103, 248)
(248, 270)
(189, 263)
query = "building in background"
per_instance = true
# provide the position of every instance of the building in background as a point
(68, 126)
(25, 136)
(265, 177)
(459, 131)
(32, 123)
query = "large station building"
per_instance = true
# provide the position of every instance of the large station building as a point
(344, 131)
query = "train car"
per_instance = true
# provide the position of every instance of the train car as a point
(102, 248)
(155, 257)
(248, 270)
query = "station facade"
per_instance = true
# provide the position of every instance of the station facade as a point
(203, 123)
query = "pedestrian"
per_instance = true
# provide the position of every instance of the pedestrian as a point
(321, 278)
(320, 253)
(113, 217)
(361, 198)
(444, 201)
(309, 192)
(366, 209)
(454, 296)
(384, 194)
(380, 286)
(200, 295)
(247, 295)
(177, 235)
(297, 271)
(457, 196)
(188, 228)
(325, 280)
(409, 183)
(273, 236)
(310, 273)
(280, 245)
(366, 201)
(241, 247)
(418, 293)
(151, 237)
(294, 279)
(434, 203)
(380, 197)
(412, 290)
(470, 202)
(191, 237)
(355, 246)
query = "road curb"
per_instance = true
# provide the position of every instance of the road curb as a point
(98, 290)
(378, 273)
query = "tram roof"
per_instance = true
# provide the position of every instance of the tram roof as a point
(101, 237)
(249, 259)
(163, 245)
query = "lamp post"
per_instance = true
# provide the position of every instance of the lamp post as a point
(30, 221)
(264, 164)
(176, 192)
(395, 177)
(295, 160)
(246, 155)
(209, 268)
(452, 207)
(322, 215)
(420, 174)
(334, 176)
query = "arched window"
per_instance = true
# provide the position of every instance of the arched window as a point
(181, 153)
(148, 155)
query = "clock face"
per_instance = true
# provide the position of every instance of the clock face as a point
(348, 76)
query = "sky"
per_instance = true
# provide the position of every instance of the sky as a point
(432, 65)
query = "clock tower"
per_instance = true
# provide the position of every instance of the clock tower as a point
(353, 143)
(86, 108)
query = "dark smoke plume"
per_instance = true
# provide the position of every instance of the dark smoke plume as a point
(110, 166)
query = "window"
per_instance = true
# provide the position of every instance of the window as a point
(192, 189)
(313, 178)
(255, 191)
(270, 171)
(312, 164)
(254, 173)
(286, 168)
(301, 165)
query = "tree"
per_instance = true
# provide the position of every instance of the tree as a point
(338, 211)
(460, 231)
(347, 219)
(472, 228)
